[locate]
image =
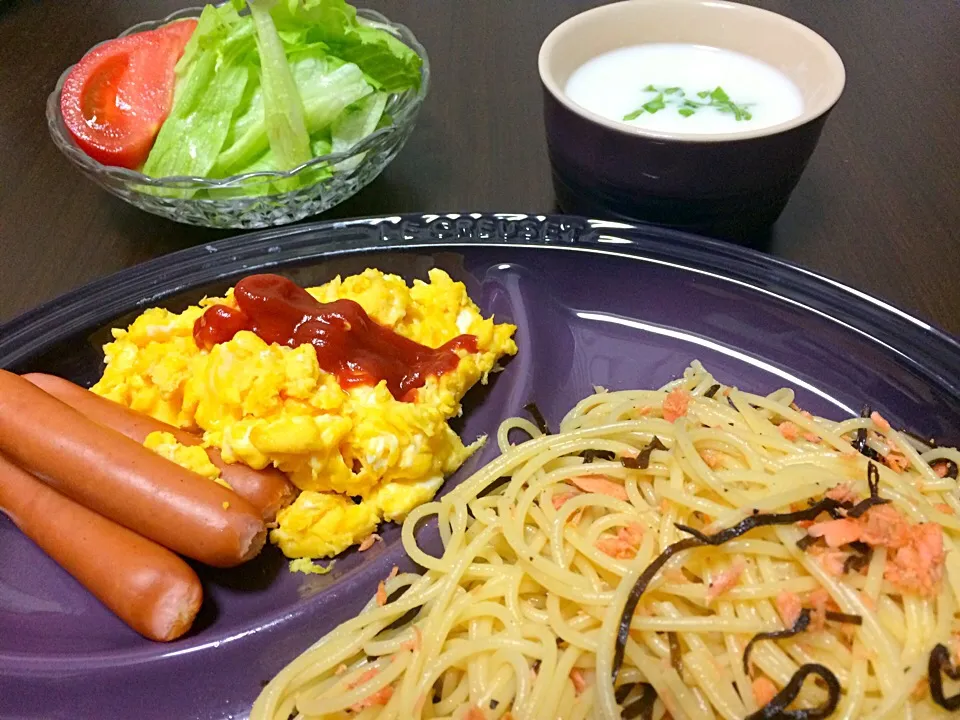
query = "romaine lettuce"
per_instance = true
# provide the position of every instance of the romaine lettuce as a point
(276, 86)
(358, 121)
(210, 86)
(282, 106)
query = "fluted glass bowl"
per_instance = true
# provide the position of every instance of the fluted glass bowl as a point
(252, 200)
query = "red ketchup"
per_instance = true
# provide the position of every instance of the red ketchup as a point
(350, 345)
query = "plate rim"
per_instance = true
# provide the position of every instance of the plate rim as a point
(93, 303)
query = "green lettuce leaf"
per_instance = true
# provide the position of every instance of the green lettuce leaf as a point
(359, 120)
(388, 64)
(326, 87)
(282, 106)
(271, 88)
(211, 86)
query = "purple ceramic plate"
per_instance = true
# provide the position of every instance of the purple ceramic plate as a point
(595, 302)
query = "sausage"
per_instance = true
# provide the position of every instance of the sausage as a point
(268, 490)
(147, 586)
(122, 480)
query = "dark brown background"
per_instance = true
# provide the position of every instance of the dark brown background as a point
(879, 206)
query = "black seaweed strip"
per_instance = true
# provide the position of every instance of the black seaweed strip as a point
(801, 624)
(844, 618)
(623, 632)
(951, 467)
(642, 461)
(711, 391)
(861, 547)
(642, 708)
(860, 443)
(699, 539)
(835, 513)
(776, 709)
(938, 666)
(861, 507)
(676, 653)
(590, 455)
(806, 541)
(873, 482)
(621, 693)
(856, 563)
(496, 484)
(494, 703)
(762, 520)
(538, 418)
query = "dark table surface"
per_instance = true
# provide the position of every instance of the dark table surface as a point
(878, 207)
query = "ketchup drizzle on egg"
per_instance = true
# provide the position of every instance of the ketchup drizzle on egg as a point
(350, 345)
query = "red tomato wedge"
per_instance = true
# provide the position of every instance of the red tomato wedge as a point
(117, 97)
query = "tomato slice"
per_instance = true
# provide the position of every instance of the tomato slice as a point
(117, 97)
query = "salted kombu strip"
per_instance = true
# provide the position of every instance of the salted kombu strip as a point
(845, 618)
(759, 519)
(534, 411)
(939, 665)
(642, 707)
(800, 624)
(590, 456)
(700, 539)
(642, 460)
(711, 391)
(951, 467)
(676, 654)
(932, 444)
(873, 482)
(860, 442)
(638, 589)
(776, 709)
(856, 563)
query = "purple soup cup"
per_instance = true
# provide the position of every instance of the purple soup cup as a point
(731, 185)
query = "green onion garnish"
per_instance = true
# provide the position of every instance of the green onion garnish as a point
(676, 97)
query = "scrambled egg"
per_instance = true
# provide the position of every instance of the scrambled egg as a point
(191, 457)
(359, 455)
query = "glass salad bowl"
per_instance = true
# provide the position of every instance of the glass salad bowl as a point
(257, 199)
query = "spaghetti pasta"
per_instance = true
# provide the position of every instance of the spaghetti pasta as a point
(623, 566)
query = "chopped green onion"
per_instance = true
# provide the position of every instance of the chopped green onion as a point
(719, 95)
(676, 97)
(655, 104)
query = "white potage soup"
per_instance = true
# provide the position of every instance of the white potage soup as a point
(679, 88)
